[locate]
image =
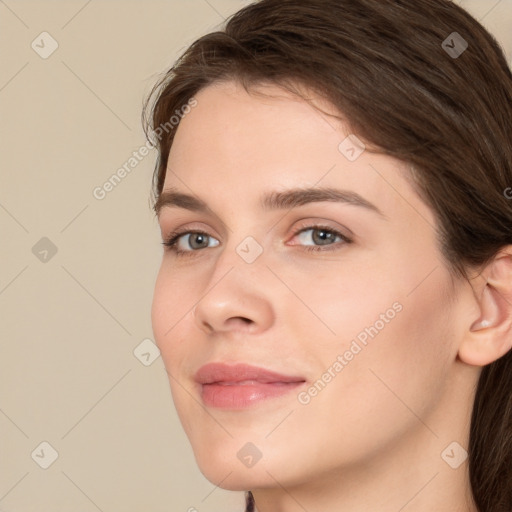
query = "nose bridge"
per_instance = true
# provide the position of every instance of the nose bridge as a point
(235, 287)
(241, 259)
(243, 247)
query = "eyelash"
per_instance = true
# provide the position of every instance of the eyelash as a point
(171, 242)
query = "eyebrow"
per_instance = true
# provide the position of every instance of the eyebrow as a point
(288, 199)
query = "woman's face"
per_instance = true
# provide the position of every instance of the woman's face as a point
(363, 319)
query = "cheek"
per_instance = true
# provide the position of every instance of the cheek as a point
(402, 367)
(172, 299)
(171, 302)
(340, 300)
(396, 345)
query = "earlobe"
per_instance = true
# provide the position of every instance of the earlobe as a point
(489, 336)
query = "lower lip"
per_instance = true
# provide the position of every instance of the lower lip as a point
(232, 396)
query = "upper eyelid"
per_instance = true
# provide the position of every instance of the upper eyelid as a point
(319, 225)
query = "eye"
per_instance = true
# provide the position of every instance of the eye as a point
(321, 237)
(193, 239)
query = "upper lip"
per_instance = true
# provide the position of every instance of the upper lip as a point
(222, 372)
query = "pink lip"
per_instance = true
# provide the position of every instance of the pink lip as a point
(239, 386)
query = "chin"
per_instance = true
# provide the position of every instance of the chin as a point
(229, 465)
(239, 479)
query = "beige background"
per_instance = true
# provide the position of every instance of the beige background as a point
(71, 321)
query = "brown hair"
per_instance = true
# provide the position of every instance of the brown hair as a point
(399, 76)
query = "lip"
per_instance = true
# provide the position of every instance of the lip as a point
(241, 385)
(221, 372)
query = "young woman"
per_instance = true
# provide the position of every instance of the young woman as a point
(334, 304)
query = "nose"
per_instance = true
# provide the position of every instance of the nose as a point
(235, 301)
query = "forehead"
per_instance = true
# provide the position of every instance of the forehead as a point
(236, 142)
(266, 120)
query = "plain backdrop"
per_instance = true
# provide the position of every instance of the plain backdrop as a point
(82, 390)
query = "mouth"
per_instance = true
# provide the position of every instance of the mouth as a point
(241, 386)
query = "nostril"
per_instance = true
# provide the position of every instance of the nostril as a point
(208, 326)
(240, 321)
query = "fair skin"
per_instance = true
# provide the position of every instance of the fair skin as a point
(373, 437)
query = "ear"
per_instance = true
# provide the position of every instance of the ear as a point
(489, 336)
